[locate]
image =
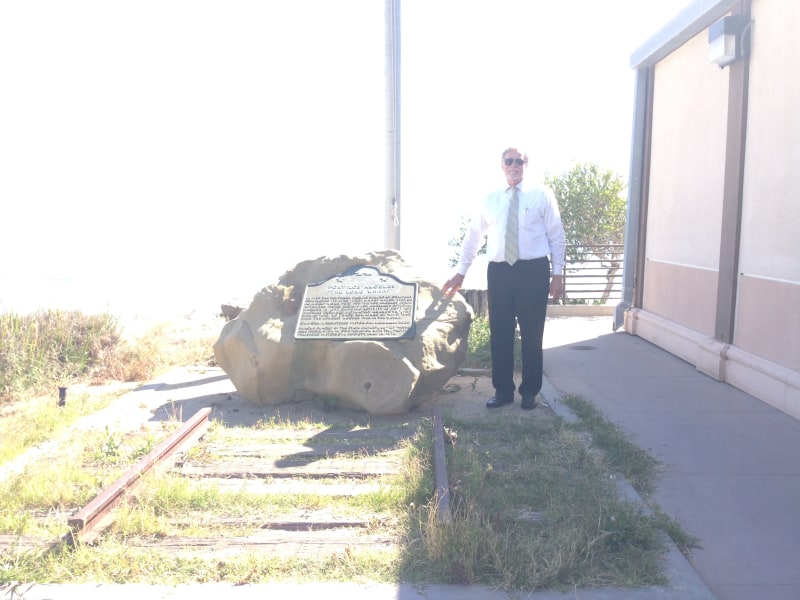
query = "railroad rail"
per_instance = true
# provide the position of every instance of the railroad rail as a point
(442, 492)
(86, 524)
(274, 466)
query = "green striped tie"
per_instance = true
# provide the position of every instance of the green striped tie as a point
(512, 229)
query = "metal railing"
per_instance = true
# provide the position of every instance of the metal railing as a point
(595, 280)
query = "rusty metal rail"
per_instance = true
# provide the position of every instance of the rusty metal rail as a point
(442, 493)
(96, 515)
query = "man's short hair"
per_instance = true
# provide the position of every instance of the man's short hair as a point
(516, 148)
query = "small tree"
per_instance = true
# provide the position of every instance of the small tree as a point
(592, 207)
(459, 239)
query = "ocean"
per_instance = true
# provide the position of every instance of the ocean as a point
(133, 298)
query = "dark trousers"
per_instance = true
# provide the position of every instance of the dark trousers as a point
(517, 293)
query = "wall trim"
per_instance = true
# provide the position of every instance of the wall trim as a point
(692, 20)
(767, 381)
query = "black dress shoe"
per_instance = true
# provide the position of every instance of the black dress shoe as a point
(528, 402)
(498, 401)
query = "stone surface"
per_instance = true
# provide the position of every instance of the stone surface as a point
(268, 366)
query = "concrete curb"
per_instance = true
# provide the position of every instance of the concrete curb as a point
(684, 582)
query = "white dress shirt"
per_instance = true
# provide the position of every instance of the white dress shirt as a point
(540, 230)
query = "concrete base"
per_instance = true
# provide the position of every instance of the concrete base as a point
(772, 383)
(580, 310)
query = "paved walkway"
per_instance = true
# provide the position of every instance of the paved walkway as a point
(731, 463)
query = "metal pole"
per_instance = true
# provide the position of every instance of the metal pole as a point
(632, 266)
(392, 199)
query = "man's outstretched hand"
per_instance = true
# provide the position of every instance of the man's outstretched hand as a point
(556, 287)
(453, 284)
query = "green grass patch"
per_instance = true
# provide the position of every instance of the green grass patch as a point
(479, 354)
(41, 419)
(626, 458)
(534, 508)
(122, 564)
(622, 455)
(168, 505)
(37, 502)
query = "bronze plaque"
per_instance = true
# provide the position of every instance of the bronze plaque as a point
(362, 303)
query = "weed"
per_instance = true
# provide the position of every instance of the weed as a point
(533, 508)
(479, 353)
(622, 455)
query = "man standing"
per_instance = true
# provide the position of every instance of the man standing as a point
(523, 228)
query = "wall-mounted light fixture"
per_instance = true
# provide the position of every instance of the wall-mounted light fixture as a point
(725, 40)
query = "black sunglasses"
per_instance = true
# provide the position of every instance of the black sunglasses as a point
(512, 161)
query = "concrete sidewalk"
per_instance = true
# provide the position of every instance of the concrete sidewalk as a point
(731, 469)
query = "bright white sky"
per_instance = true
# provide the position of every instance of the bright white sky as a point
(178, 141)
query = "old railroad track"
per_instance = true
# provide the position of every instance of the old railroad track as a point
(339, 461)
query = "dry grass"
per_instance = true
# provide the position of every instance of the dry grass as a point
(49, 349)
(534, 507)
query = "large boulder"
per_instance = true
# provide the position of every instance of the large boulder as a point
(268, 366)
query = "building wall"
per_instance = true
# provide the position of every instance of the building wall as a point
(683, 208)
(768, 305)
(686, 184)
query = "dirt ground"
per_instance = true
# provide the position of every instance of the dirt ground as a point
(182, 392)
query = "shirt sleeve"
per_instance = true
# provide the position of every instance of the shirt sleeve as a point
(555, 234)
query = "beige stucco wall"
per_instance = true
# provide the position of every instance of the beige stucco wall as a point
(768, 307)
(686, 185)
(684, 212)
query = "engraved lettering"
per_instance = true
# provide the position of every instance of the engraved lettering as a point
(364, 304)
